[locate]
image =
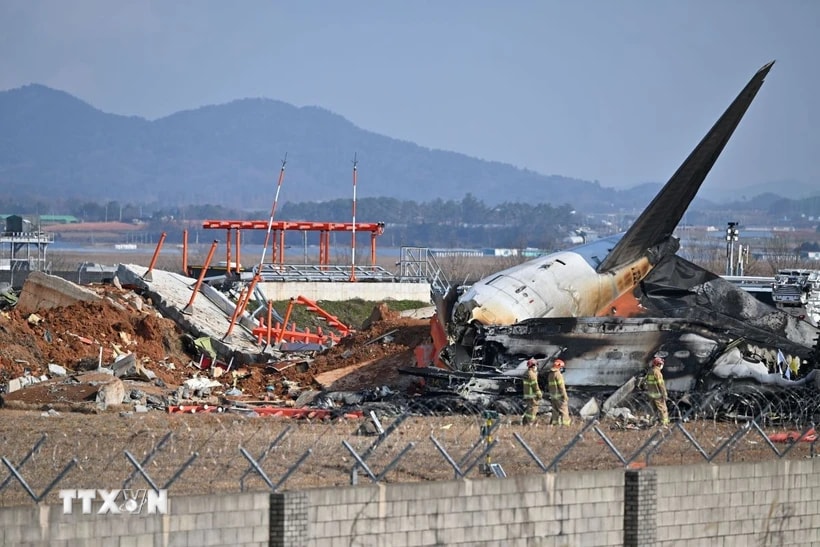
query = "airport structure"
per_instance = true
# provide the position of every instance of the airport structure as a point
(22, 248)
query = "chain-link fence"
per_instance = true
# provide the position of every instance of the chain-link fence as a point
(418, 440)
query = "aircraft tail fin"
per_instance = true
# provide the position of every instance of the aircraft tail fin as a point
(659, 220)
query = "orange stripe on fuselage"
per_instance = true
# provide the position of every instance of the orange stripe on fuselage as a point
(623, 302)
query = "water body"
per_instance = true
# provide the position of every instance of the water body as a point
(293, 253)
(70, 247)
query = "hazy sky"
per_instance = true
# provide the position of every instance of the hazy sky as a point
(618, 91)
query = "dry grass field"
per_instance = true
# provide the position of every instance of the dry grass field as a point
(99, 441)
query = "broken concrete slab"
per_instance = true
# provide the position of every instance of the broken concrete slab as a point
(147, 375)
(110, 392)
(73, 389)
(620, 394)
(590, 409)
(24, 381)
(210, 313)
(44, 291)
(56, 370)
(126, 366)
(115, 304)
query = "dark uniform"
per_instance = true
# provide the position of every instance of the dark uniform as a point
(558, 394)
(532, 393)
(656, 390)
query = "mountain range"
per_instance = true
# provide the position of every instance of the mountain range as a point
(54, 144)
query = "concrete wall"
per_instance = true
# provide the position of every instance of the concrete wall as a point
(235, 519)
(370, 291)
(553, 509)
(769, 503)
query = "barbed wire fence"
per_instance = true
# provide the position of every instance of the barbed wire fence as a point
(432, 439)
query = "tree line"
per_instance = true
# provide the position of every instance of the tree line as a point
(468, 222)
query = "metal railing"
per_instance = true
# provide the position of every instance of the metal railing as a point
(322, 272)
(420, 263)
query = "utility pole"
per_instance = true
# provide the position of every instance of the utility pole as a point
(732, 234)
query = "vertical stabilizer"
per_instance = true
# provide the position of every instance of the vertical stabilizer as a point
(661, 217)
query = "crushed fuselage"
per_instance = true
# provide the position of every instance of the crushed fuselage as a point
(703, 326)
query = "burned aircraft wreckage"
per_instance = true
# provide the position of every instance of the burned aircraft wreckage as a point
(607, 307)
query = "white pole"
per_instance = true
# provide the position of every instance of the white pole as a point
(272, 213)
(353, 243)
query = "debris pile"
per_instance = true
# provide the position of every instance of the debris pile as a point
(115, 350)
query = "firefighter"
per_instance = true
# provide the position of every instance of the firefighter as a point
(558, 394)
(656, 389)
(532, 393)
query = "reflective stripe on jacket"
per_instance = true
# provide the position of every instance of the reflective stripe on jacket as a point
(531, 389)
(557, 388)
(655, 387)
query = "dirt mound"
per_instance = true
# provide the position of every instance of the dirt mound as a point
(380, 313)
(377, 353)
(79, 335)
(71, 335)
(361, 360)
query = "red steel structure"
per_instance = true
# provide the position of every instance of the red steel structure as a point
(279, 228)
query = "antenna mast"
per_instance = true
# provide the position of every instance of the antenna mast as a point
(272, 213)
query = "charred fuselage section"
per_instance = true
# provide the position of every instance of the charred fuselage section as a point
(682, 312)
(605, 352)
